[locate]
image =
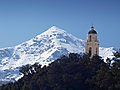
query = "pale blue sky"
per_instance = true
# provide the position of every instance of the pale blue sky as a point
(21, 20)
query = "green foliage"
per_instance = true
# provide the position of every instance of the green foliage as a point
(29, 69)
(71, 72)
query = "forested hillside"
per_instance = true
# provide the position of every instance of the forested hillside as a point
(71, 72)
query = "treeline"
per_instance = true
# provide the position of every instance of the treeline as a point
(71, 72)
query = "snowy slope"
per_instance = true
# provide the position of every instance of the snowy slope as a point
(44, 48)
(106, 52)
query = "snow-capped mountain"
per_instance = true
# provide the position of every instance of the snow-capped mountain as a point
(44, 49)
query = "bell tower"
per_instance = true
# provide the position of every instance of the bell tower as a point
(92, 44)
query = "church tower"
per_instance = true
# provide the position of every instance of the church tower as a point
(92, 44)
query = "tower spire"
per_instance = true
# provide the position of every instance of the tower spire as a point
(92, 27)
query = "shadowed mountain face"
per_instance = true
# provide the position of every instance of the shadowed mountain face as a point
(44, 49)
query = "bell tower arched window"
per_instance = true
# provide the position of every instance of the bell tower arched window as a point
(90, 38)
(90, 51)
(96, 51)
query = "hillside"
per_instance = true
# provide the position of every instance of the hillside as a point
(71, 72)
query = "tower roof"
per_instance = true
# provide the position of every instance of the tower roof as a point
(92, 31)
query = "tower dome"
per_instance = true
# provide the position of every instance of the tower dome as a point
(92, 31)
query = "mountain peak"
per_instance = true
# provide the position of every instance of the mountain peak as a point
(55, 28)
